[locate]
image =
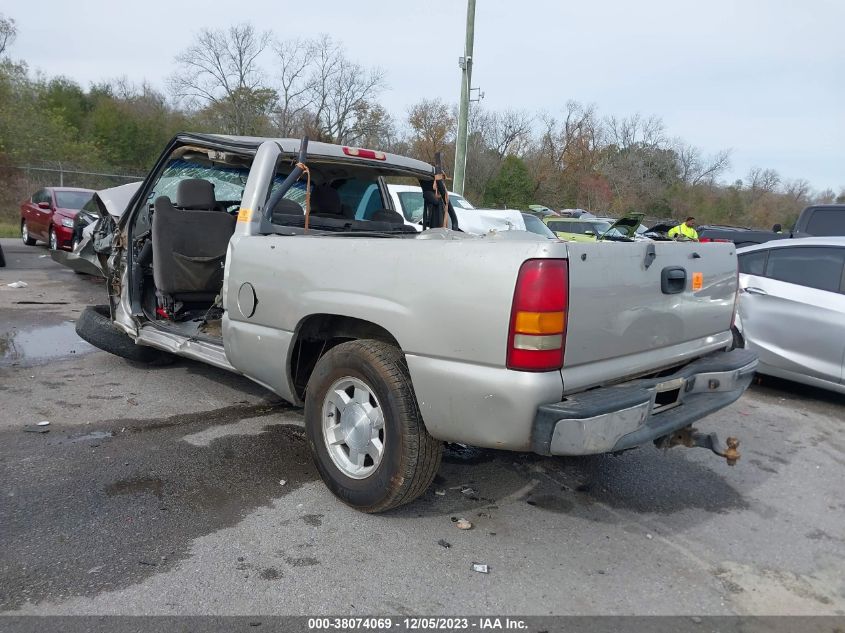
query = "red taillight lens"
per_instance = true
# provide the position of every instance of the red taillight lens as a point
(359, 152)
(704, 240)
(537, 334)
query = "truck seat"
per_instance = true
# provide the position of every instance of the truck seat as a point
(325, 202)
(190, 241)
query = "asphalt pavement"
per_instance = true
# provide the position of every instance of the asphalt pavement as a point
(184, 489)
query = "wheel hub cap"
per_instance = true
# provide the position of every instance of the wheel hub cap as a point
(356, 426)
(353, 427)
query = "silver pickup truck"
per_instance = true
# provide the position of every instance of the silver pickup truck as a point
(285, 261)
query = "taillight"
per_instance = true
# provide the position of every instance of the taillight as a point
(537, 334)
(704, 240)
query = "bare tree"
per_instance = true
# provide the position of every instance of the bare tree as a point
(828, 196)
(577, 128)
(8, 32)
(761, 181)
(635, 131)
(295, 62)
(338, 88)
(567, 148)
(508, 132)
(798, 190)
(323, 92)
(220, 71)
(694, 168)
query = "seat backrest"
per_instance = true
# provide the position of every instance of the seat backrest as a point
(189, 247)
(195, 194)
(386, 215)
(287, 211)
(325, 201)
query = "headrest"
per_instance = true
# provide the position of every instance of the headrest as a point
(326, 199)
(286, 206)
(386, 215)
(195, 193)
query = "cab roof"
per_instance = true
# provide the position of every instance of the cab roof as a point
(315, 149)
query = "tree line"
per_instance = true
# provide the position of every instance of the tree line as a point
(572, 158)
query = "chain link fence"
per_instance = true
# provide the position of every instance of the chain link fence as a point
(64, 175)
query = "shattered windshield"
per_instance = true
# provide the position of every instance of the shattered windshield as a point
(228, 182)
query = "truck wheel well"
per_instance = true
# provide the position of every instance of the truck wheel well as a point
(318, 333)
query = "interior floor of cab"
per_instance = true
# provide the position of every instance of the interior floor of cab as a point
(195, 327)
(191, 320)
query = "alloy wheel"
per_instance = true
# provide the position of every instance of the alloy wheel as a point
(353, 427)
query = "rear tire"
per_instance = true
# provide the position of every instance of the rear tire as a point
(25, 238)
(373, 377)
(95, 326)
(2, 258)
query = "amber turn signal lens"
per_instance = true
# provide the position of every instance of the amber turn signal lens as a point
(539, 322)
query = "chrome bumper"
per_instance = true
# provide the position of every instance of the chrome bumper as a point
(630, 414)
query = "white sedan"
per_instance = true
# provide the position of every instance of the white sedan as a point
(792, 309)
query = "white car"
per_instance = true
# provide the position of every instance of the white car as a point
(408, 200)
(792, 309)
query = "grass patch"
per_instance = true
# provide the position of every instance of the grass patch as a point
(10, 229)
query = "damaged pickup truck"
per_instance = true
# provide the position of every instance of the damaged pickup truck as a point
(286, 261)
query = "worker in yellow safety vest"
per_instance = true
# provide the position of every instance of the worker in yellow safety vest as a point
(685, 229)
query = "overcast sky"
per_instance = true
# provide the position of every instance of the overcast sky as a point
(764, 78)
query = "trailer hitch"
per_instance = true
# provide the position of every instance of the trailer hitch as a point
(692, 438)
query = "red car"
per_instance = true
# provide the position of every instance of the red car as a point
(48, 215)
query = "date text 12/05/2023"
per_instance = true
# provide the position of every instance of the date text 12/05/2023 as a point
(416, 624)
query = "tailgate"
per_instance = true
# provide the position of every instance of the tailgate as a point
(618, 307)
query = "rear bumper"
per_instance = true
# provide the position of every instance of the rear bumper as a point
(634, 413)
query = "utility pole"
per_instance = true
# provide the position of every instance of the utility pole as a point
(463, 107)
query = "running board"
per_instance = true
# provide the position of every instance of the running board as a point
(196, 349)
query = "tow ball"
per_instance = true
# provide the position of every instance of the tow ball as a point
(691, 438)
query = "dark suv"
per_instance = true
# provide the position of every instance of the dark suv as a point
(739, 235)
(821, 220)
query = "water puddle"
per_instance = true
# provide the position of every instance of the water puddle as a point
(138, 485)
(94, 435)
(39, 345)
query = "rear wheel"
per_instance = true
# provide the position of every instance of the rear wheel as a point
(364, 428)
(29, 241)
(95, 326)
